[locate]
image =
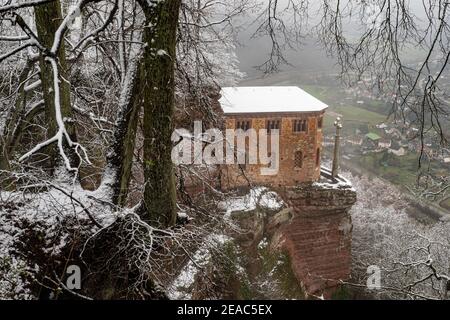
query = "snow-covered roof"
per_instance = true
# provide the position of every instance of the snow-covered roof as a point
(268, 100)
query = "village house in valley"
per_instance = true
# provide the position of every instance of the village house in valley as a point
(295, 113)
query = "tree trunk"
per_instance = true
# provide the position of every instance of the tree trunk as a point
(13, 119)
(159, 205)
(13, 129)
(125, 134)
(48, 18)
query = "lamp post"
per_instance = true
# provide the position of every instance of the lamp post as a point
(338, 125)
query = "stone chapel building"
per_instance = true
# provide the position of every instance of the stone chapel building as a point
(317, 231)
(295, 113)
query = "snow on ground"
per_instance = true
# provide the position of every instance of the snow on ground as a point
(264, 243)
(182, 285)
(182, 215)
(11, 283)
(271, 200)
(259, 196)
(339, 185)
(43, 211)
(342, 182)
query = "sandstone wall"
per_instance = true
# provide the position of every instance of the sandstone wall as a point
(307, 142)
(318, 238)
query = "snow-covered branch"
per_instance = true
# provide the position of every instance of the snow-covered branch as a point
(61, 134)
(20, 5)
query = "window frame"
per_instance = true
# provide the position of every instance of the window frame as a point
(300, 125)
(273, 124)
(296, 152)
(238, 122)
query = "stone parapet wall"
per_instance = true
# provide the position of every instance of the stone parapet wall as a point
(319, 199)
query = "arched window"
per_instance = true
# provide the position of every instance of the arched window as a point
(318, 157)
(298, 159)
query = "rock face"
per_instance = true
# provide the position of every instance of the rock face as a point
(318, 236)
(316, 231)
